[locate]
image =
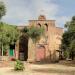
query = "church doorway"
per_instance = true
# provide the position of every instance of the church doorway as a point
(23, 48)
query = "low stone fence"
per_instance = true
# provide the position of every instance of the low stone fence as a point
(4, 58)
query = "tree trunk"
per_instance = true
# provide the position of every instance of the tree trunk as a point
(72, 56)
(2, 49)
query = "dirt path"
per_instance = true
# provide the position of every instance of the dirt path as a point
(40, 69)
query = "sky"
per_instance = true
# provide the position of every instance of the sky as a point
(18, 12)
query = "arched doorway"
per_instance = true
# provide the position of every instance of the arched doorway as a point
(23, 48)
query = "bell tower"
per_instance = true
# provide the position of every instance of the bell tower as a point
(41, 17)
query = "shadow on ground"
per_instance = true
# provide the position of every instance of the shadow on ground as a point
(64, 63)
(63, 67)
(50, 70)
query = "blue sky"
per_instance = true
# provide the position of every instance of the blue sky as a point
(20, 11)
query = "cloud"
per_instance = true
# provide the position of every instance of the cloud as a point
(49, 9)
(20, 11)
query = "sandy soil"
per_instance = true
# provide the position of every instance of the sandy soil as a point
(40, 69)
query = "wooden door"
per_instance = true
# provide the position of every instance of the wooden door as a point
(40, 53)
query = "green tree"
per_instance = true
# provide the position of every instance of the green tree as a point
(70, 25)
(72, 49)
(34, 33)
(68, 43)
(2, 9)
(8, 35)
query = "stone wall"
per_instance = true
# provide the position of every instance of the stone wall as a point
(53, 40)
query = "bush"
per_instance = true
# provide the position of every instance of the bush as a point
(19, 66)
(66, 54)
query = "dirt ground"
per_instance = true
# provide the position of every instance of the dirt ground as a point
(40, 69)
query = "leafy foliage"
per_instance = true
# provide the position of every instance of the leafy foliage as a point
(72, 46)
(8, 35)
(2, 9)
(71, 25)
(19, 66)
(34, 33)
(68, 41)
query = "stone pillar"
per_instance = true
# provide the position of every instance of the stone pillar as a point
(17, 50)
(57, 56)
(31, 51)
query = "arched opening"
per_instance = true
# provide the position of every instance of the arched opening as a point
(39, 25)
(23, 48)
(46, 26)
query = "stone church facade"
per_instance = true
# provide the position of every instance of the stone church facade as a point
(47, 49)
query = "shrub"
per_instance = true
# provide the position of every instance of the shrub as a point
(19, 66)
(66, 54)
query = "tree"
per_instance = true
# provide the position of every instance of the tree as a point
(70, 25)
(8, 35)
(72, 49)
(34, 33)
(2, 9)
(68, 41)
